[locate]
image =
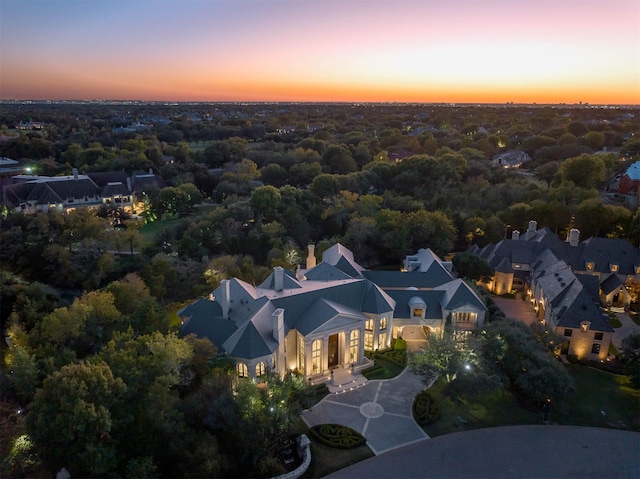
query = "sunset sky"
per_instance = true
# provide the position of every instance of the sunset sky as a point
(543, 51)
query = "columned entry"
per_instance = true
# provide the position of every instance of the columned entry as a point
(333, 351)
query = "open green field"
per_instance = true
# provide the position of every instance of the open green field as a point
(601, 400)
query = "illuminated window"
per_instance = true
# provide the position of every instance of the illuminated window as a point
(598, 336)
(568, 332)
(354, 346)
(243, 371)
(637, 269)
(368, 340)
(316, 356)
(383, 324)
(369, 325)
(382, 340)
(417, 312)
(614, 268)
(465, 317)
(595, 349)
(261, 368)
(584, 326)
(590, 266)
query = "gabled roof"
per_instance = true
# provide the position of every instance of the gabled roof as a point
(611, 283)
(326, 272)
(458, 294)
(322, 311)
(504, 266)
(248, 343)
(289, 281)
(342, 258)
(375, 300)
(402, 280)
(633, 172)
(403, 298)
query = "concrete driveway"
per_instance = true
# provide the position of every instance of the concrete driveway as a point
(380, 411)
(628, 327)
(516, 309)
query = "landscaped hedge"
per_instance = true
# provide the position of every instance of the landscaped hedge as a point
(425, 409)
(338, 436)
(398, 357)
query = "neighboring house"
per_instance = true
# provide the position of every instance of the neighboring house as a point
(327, 315)
(630, 181)
(30, 194)
(510, 159)
(566, 281)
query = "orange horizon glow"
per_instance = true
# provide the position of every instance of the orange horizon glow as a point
(499, 51)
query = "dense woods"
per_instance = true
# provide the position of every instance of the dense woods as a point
(250, 186)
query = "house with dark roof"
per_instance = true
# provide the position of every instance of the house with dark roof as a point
(327, 315)
(30, 194)
(630, 181)
(568, 282)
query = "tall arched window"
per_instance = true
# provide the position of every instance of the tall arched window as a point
(243, 371)
(368, 335)
(301, 355)
(383, 324)
(354, 346)
(382, 341)
(261, 368)
(316, 356)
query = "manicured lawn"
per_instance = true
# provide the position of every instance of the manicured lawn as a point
(383, 369)
(325, 460)
(601, 400)
(614, 321)
(149, 230)
(498, 409)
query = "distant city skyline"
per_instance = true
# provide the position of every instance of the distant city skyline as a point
(461, 51)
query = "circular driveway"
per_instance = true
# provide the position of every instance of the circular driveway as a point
(379, 410)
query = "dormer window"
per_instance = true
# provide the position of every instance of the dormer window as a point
(417, 307)
(614, 268)
(637, 268)
(590, 265)
(584, 326)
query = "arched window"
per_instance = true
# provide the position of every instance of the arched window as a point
(354, 346)
(368, 335)
(382, 341)
(316, 356)
(301, 354)
(261, 368)
(243, 371)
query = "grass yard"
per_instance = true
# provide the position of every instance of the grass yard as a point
(498, 409)
(149, 230)
(601, 400)
(382, 369)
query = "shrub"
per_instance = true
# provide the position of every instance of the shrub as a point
(400, 345)
(398, 357)
(425, 409)
(338, 436)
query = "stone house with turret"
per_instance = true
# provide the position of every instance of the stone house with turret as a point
(569, 283)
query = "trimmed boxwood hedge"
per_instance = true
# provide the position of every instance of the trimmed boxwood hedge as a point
(395, 356)
(425, 409)
(337, 435)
